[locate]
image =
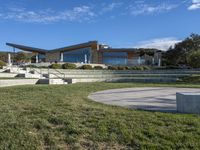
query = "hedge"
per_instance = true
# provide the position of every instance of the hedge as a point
(69, 66)
(86, 67)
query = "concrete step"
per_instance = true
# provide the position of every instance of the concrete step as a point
(114, 75)
(146, 80)
(7, 75)
(79, 71)
(52, 81)
(29, 75)
(15, 82)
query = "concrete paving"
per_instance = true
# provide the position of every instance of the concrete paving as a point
(147, 98)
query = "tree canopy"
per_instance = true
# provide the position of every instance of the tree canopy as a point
(179, 54)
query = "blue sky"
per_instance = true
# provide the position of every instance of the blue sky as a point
(119, 23)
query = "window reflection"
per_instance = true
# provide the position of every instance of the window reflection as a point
(115, 58)
(77, 56)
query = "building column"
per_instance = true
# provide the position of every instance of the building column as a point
(153, 61)
(159, 62)
(9, 60)
(36, 58)
(139, 61)
(85, 59)
(61, 57)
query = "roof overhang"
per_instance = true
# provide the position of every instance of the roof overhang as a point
(62, 49)
(132, 50)
(27, 48)
(74, 47)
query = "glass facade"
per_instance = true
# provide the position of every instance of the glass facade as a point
(78, 56)
(137, 61)
(41, 57)
(115, 58)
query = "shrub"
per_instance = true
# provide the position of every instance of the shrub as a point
(43, 67)
(98, 67)
(137, 68)
(193, 59)
(69, 66)
(112, 67)
(172, 67)
(31, 66)
(56, 66)
(133, 68)
(121, 68)
(2, 63)
(86, 67)
(128, 68)
(168, 67)
(146, 68)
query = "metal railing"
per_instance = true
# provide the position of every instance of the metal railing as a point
(58, 74)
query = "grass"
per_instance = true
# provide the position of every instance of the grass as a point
(62, 117)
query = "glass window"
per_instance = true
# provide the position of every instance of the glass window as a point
(115, 58)
(77, 56)
(115, 61)
(41, 57)
(114, 54)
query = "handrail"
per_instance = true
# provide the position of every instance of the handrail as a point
(60, 77)
(39, 72)
(60, 73)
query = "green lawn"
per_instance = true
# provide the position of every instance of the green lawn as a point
(61, 117)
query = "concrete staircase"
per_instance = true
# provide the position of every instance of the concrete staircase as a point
(74, 76)
(28, 75)
(64, 76)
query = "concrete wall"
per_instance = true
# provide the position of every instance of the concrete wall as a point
(14, 82)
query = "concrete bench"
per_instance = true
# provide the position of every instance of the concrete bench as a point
(188, 102)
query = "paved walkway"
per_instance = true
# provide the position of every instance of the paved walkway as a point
(148, 98)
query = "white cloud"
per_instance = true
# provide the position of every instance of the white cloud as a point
(142, 8)
(161, 43)
(46, 16)
(110, 7)
(195, 5)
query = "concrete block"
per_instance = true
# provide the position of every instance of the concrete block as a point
(7, 75)
(188, 102)
(14, 82)
(29, 75)
(57, 81)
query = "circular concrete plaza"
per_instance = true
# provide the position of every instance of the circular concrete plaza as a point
(146, 98)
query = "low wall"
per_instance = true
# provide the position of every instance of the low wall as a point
(79, 71)
(7, 75)
(13, 82)
(2, 70)
(77, 64)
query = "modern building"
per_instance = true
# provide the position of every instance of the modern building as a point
(92, 52)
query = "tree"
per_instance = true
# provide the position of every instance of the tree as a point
(193, 59)
(178, 55)
(2, 63)
(3, 56)
(22, 57)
